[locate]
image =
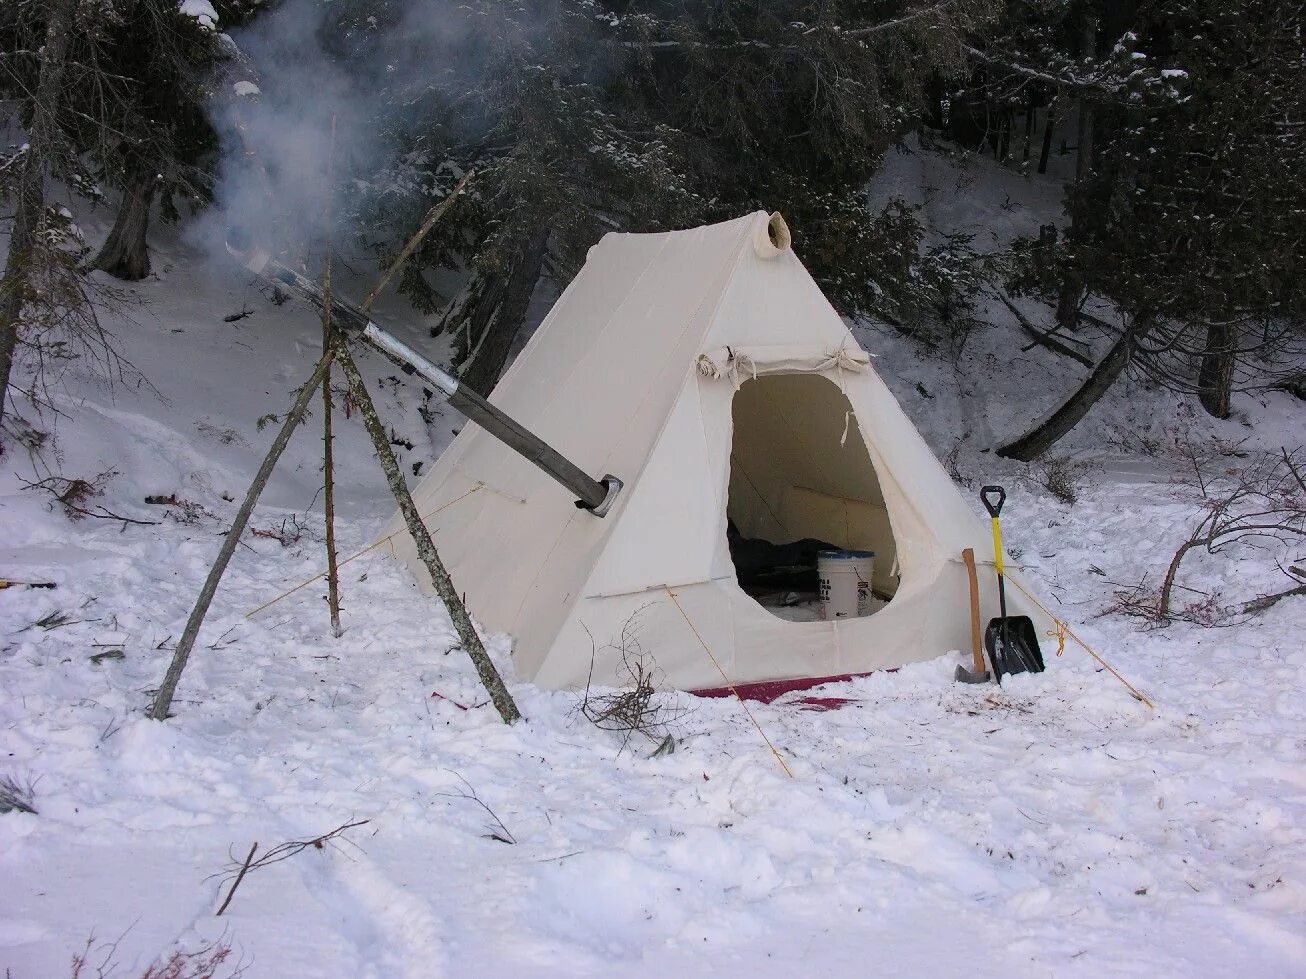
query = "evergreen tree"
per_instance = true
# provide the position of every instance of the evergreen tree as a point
(583, 117)
(161, 148)
(45, 47)
(1190, 218)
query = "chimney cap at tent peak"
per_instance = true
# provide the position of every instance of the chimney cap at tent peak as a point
(732, 392)
(773, 238)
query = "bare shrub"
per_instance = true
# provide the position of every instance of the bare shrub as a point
(16, 796)
(188, 512)
(951, 462)
(1261, 503)
(208, 962)
(638, 708)
(1206, 609)
(1060, 476)
(291, 530)
(19, 431)
(182, 511)
(75, 495)
(224, 436)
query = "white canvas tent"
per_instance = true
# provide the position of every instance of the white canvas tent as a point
(706, 369)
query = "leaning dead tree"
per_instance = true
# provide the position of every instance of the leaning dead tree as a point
(1047, 433)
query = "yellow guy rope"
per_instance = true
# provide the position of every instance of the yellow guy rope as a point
(1063, 630)
(370, 547)
(729, 686)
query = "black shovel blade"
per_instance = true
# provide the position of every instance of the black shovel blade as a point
(1020, 653)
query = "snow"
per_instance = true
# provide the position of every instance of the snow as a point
(1054, 826)
(202, 11)
(245, 89)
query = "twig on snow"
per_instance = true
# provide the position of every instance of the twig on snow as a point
(236, 872)
(244, 869)
(73, 494)
(502, 834)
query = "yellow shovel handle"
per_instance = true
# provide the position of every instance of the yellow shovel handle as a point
(997, 544)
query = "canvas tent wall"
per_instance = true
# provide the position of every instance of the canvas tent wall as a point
(642, 369)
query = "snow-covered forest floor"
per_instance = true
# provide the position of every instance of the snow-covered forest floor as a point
(1054, 826)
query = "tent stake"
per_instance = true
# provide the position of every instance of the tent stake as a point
(163, 698)
(444, 587)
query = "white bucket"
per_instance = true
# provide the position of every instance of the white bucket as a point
(844, 580)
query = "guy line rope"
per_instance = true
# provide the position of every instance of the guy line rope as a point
(370, 547)
(730, 686)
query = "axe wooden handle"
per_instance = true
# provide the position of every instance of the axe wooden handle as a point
(976, 642)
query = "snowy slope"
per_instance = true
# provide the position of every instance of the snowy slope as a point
(1053, 827)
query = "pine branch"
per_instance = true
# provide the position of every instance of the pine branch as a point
(429, 222)
(671, 44)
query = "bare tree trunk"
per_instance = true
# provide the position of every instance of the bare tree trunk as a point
(29, 196)
(125, 253)
(1167, 586)
(1002, 139)
(1072, 286)
(1049, 125)
(1030, 109)
(440, 578)
(1215, 378)
(1072, 290)
(163, 699)
(418, 236)
(496, 316)
(1034, 443)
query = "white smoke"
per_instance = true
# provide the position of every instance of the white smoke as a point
(300, 99)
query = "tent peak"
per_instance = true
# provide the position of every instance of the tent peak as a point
(771, 237)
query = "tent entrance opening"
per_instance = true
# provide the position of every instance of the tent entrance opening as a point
(802, 481)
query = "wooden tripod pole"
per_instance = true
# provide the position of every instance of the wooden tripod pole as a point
(429, 222)
(163, 699)
(444, 587)
(328, 455)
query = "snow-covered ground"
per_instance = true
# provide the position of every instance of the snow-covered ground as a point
(1054, 826)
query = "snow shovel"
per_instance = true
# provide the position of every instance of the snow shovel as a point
(978, 674)
(1010, 639)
